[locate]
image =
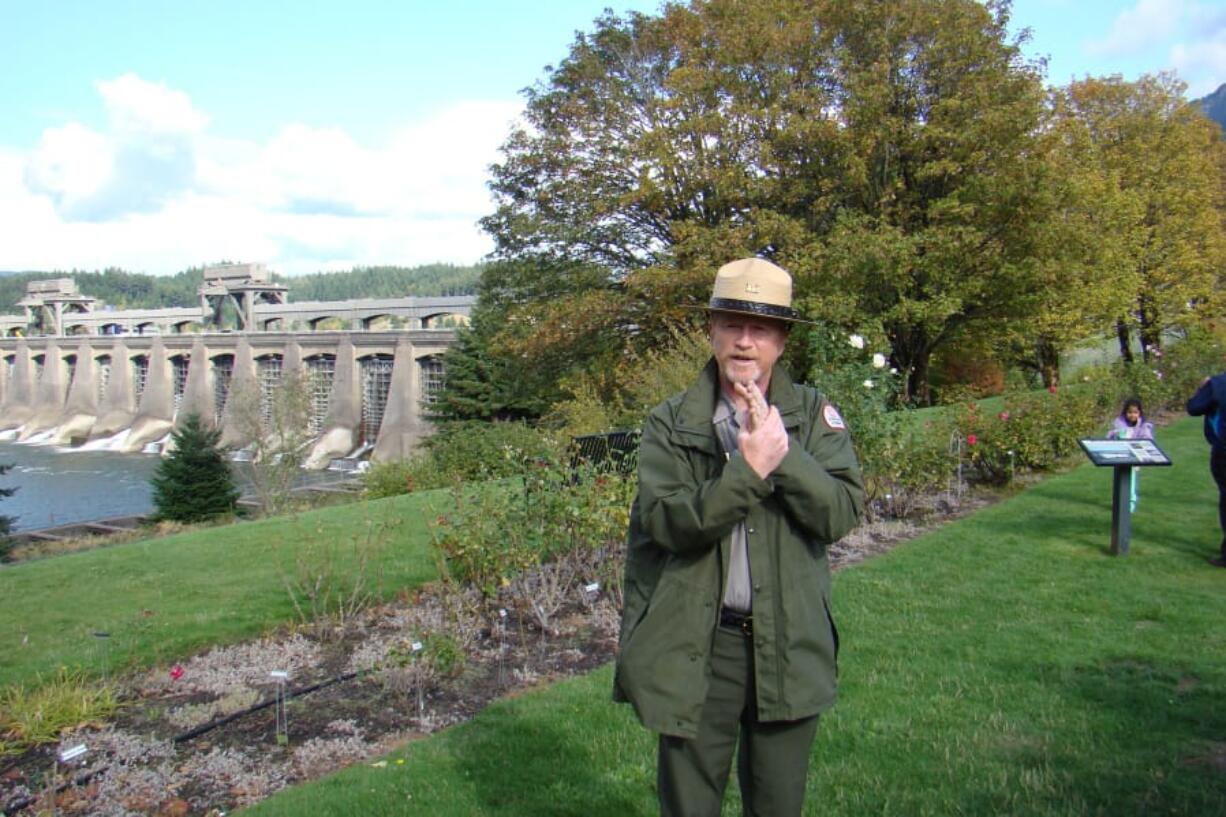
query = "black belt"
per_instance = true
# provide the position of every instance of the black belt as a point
(736, 621)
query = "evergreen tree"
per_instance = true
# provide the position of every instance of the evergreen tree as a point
(483, 384)
(194, 481)
(6, 522)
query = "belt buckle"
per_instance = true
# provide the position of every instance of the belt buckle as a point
(739, 621)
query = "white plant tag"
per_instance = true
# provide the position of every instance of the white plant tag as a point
(279, 674)
(74, 752)
(416, 646)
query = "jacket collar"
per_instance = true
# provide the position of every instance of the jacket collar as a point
(694, 418)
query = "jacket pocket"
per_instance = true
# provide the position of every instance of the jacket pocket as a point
(834, 632)
(663, 657)
(809, 641)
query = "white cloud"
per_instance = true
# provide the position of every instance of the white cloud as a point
(1200, 60)
(1190, 35)
(146, 157)
(1139, 27)
(71, 165)
(138, 106)
(156, 192)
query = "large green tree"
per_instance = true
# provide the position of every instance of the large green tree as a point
(883, 152)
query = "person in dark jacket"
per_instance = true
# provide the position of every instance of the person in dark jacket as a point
(727, 641)
(1210, 402)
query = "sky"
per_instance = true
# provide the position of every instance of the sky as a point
(319, 135)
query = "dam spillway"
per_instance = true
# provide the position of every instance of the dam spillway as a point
(368, 390)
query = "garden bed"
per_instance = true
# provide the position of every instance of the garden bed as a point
(398, 672)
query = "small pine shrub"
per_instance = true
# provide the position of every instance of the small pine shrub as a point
(194, 483)
(6, 522)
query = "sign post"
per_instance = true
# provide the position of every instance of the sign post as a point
(1122, 456)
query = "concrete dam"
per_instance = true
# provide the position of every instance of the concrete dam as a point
(121, 379)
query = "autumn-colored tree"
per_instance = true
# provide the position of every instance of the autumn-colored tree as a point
(884, 153)
(941, 200)
(1166, 164)
(1083, 281)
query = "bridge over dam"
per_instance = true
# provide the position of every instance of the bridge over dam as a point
(122, 379)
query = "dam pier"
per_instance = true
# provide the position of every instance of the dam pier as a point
(76, 375)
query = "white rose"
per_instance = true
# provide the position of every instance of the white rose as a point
(878, 360)
(856, 341)
(868, 384)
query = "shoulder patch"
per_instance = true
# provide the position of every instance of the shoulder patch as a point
(832, 418)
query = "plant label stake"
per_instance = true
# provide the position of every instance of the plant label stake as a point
(103, 643)
(73, 753)
(502, 644)
(281, 676)
(414, 649)
(65, 756)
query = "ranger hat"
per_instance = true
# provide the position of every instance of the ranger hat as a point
(754, 286)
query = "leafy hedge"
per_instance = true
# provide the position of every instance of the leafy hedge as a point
(1038, 430)
(909, 457)
(552, 509)
(460, 452)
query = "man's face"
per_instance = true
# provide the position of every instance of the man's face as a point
(746, 347)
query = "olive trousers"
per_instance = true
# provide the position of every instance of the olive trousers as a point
(772, 760)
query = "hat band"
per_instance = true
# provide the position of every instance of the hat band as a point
(785, 313)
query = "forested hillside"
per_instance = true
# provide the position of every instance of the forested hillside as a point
(384, 282)
(133, 290)
(1214, 106)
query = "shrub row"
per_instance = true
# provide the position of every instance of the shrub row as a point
(909, 454)
(495, 532)
(909, 457)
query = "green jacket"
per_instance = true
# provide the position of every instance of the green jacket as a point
(690, 498)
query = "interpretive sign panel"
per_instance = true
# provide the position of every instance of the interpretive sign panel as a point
(1123, 456)
(1124, 452)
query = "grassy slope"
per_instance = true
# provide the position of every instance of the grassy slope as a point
(1005, 664)
(162, 599)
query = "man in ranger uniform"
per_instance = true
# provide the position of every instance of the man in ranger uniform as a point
(744, 480)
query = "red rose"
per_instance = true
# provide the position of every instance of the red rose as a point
(1051, 389)
(971, 439)
(1003, 416)
(176, 672)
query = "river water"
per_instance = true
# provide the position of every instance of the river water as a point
(59, 486)
(56, 486)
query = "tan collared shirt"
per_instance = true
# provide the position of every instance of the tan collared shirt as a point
(738, 591)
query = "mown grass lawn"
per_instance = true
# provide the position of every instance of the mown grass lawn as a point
(162, 599)
(1005, 664)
